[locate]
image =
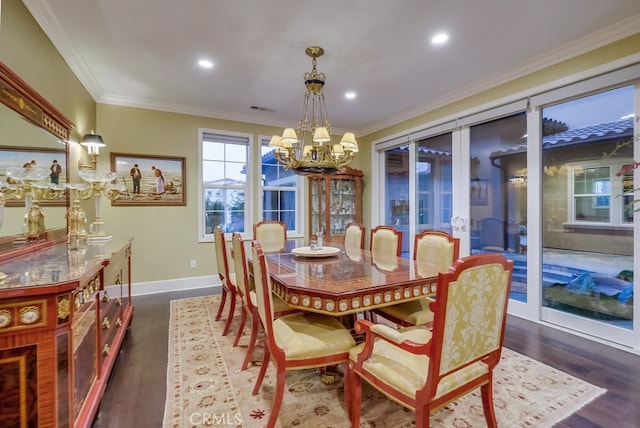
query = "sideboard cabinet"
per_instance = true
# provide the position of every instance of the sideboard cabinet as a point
(63, 316)
(336, 201)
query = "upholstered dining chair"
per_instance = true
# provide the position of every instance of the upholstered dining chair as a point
(271, 234)
(386, 242)
(298, 341)
(431, 246)
(249, 299)
(227, 278)
(425, 369)
(354, 236)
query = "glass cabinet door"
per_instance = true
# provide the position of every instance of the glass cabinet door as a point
(335, 202)
(343, 205)
(318, 205)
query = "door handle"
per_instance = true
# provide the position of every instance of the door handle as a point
(459, 223)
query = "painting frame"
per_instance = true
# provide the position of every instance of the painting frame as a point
(479, 191)
(19, 157)
(148, 191)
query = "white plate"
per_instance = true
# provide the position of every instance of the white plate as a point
(323, 252)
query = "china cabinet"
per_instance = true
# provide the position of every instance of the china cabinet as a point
(63, 316)
(336, 201)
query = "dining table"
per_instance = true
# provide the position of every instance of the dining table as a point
(338, 281)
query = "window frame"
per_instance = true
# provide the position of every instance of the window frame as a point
(203, 236)
(616, 198)
(298, 191)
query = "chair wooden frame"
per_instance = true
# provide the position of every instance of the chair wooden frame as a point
(228, 280)
(305, 324)
(421, 304)
(268, 246)
(248, 306)
(440, 385)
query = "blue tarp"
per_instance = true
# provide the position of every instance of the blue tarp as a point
(588, 283)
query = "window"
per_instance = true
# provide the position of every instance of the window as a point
(597, 193)
(224, 159)
(229, 174)
(280, 190)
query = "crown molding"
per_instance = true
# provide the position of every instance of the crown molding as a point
(51, 26)
(44, 16)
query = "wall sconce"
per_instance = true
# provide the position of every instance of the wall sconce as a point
(92, 142)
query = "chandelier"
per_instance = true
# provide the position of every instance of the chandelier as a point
(311, 150)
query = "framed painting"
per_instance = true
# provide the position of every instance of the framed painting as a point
(43, 165)
(479, 191)
(150, 180)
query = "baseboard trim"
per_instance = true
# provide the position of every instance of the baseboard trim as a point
(167, 286)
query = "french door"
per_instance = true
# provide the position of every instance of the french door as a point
(547, 183)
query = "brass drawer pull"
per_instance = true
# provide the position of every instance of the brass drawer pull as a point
(119, 301)
(105, 297)
(105, 323)
(119, 322)
(105, 350)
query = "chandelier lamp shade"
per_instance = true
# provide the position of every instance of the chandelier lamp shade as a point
(311, 149)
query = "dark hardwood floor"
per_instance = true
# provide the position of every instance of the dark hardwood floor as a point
(135, 395)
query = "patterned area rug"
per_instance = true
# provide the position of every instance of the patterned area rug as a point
(205, 386)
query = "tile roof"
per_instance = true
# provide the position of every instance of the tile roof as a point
(615, 129)
(603, 131)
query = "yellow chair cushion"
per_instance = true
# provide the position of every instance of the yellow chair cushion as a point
(436, 250)
(271, 237)
(307, 335)
(385, 243)
(407, 372)
(352, 238)
(414, 312)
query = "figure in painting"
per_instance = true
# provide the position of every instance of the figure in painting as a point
(136, 176)
(159, 180)
(56, 170)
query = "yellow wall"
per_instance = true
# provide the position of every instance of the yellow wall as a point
(595, 58)
(26, 50)
(166, 237)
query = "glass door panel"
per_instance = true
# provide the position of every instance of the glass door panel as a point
(587, 220)
(433, 202)
(396, 198)
(498, 194)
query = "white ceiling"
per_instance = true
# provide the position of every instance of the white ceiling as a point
(143, 53)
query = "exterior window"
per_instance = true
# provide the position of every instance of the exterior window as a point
(224, 182)
(280, 190)
(597, 194)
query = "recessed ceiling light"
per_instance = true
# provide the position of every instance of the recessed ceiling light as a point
(439, 38)
(350, 95)
(205, 63)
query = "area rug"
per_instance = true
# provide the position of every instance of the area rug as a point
(206, 387)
